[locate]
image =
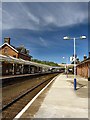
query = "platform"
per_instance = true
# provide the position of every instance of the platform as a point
(60, 100)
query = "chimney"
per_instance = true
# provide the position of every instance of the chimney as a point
(85, 57)
(89, 54)
(7, 40)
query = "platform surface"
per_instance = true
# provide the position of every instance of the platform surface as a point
(60, 100)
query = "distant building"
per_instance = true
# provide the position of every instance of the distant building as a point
(19, 52)
(83, 68)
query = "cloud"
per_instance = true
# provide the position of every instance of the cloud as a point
(42, 16)
(29, 14)
(43, 42)
(45, 0)
(18, 17)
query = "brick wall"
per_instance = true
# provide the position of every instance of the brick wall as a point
(6, 50)
(83, 69)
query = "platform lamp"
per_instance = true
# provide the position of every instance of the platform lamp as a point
(74, 39)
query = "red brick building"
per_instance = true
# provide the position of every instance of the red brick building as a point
(16, 60)
(83, 68)
(8, 49)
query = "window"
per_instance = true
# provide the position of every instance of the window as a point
(14, 56)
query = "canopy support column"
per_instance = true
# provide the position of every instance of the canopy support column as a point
(22, 69)
(29, 69)
(13, 70)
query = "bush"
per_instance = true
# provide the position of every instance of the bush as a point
(89, 79)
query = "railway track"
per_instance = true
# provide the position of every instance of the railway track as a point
(10, 80)
(13, 107)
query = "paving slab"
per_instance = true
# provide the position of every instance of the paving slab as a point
(60, 100)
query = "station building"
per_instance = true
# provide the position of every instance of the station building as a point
(17, 52)
(17, 60)
(83, 68)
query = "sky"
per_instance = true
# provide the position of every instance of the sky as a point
(41, 26)
(45, 0)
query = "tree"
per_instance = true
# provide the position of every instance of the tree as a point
(45, 62)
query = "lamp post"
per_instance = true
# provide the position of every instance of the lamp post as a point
(69, 38)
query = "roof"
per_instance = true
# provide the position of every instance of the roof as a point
(10, 59)
(9, 46)
(84, 61)
(25, 54)
(13, 48)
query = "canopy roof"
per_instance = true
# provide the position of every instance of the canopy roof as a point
(10, 59)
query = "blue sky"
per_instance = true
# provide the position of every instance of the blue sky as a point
(40, 27)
